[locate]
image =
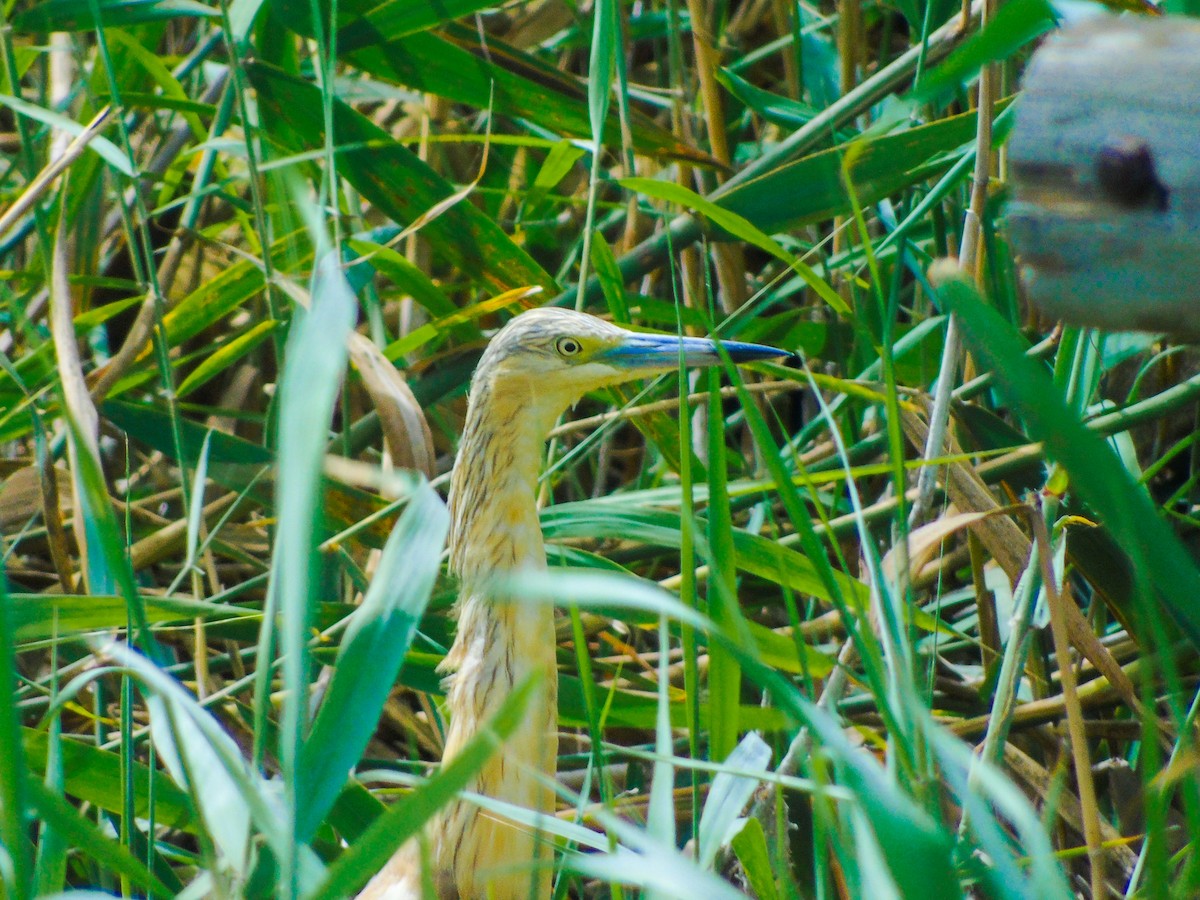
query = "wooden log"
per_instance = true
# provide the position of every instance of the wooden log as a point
(1105, 163)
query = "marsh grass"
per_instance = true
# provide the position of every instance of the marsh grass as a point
(235, 336)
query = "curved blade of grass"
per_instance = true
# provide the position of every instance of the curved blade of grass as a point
(559, 162)
(453, 64)
(600, 588)
(1030, 868)
(152, 427)
(372, 249)
(652, 864)
(135, 52)
(354, 811)
(918, 851)
(202, 758)
(226, 291)
(226, 355)
(1012, 26)
(750, 847)
(398, 18)
(651, 872)
(557, 86)
(423, 334)
(188, 753)
(371, 653)
(776, 109)
(637, 710)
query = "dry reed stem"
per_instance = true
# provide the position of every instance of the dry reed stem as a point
(1078, 738)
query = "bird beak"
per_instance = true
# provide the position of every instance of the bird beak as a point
(663, 351)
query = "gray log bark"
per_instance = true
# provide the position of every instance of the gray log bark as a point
(1105, 161)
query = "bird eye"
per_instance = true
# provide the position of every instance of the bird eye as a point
(568, 346)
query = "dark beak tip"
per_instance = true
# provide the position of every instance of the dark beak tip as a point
(758, 353)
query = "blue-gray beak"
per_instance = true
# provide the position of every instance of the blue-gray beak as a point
(662, 351)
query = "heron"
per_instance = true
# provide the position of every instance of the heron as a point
(542, 362)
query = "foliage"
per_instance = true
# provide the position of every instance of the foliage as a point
(220, 501)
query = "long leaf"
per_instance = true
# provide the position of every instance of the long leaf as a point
(102, 146)
(14, 782)
(371, 654)
(729, 795)
(313, 368)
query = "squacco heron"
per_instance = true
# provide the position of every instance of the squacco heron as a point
(542, 362)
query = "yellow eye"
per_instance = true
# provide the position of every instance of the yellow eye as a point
(568, 347)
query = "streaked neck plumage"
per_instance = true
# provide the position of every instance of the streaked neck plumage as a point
(495, 531)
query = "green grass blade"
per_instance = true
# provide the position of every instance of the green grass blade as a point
(453, 64)
(724, 674)
(371, 653)
(101, 146)
(107, 563)
(225, 356)
(399, 18)
(14, 781)
(750, 847)
(601, 589)
(754, 554)
(918, 851)
(660, 814)
(740, 227)
(1013, 26)
(33, 614)
(313, 368)
(204, 760)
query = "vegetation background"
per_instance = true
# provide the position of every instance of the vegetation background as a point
(249, 245)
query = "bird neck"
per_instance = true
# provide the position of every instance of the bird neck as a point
(494, 520)
(498, 644)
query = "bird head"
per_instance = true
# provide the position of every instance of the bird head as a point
(555, 356)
